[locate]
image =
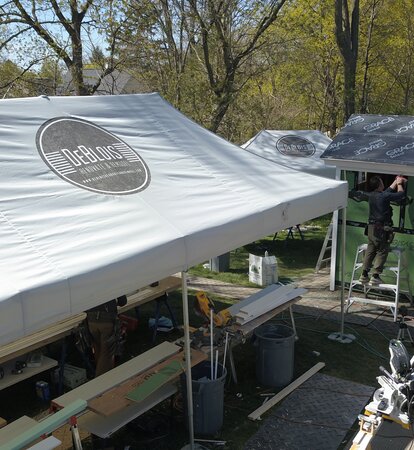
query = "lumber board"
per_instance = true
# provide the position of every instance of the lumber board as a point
(155, 381)
(64, 327)
(234, 309)
(268, 299)
(249, 327)
(40, 338)
(13, 429)
(46, 444)
(286, 391)
(105, 426)
(148, 293)
(10, 379)
(263, 309)
(118, 375)
(45, 426)
(115, 400)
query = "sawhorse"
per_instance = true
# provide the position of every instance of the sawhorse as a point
(290, 234)
(163, 299)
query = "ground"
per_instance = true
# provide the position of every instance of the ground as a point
(317, 316)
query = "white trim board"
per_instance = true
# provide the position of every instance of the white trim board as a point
(118, 375)
(105, 426)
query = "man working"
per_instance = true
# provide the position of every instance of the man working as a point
(101, 324)
(379, 231)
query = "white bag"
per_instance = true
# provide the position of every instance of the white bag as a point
(263, 269)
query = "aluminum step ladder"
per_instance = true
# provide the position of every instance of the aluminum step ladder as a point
(326, 247)
(397, 265)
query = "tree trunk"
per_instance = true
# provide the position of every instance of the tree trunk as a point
(347, 34)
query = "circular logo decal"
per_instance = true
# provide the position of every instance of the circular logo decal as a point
(90, 157)
(295, 146)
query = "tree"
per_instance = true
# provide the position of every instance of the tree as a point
(231, 32)
(15, 82)
(64, 27)
(198, 52)
(373, 9)
(347, 34)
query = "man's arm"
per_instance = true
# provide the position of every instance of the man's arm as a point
(396, 191)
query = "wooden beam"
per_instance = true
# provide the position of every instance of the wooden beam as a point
(255, 415)
(118, 375)
(148, 293)
(62, 328)
(115, 400)
(46, 426)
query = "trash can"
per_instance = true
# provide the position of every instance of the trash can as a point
(208, 398)
(220, 263)
(275, 345)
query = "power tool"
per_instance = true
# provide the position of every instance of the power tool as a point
(203, 306)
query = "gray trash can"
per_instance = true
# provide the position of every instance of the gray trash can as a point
(275, 345)
(208, 398)
(220, 263)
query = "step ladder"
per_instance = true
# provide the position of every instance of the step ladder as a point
(396, 264)
(325, 250)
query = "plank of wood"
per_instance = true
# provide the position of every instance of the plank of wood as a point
(263, 309)
(118, 375)
(234, 309)
(149, 293)
(155, 381)
(115, 400)
(249, 327)
(64, 327)
(268, 299)
(13, 429)
(41, 338)
(46, 426)
(46, 444)
(286, 391)
(105, 426)
(10, 378)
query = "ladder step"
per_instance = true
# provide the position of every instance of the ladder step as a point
(371, 301)
(382, 286)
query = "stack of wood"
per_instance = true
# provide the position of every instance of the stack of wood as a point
(264, 301)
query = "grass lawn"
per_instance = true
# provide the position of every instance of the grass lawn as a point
(164, 427)
(295, 258)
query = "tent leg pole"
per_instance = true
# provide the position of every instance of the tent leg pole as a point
(341, 336)
(187, 352)
(343, 262)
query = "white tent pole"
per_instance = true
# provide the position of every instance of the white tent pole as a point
(187, 352)
(343, 249)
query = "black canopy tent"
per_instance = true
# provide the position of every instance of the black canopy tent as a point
(375, 143)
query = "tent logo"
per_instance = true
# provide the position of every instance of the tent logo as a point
(295, 146)
(90, 157)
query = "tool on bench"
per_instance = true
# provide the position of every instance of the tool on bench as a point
(204, 306)
(393, 401)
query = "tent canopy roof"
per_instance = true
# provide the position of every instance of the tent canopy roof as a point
(374, 143)
(297, 149)
(103, 195)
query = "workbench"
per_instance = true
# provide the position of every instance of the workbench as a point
(60, 330)
(239, 333)
(108, 410)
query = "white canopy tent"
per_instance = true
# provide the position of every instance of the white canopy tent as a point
(103, 195)
(297, 149)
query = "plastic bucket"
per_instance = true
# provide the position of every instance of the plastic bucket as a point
(208, 398)
(275, 346)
